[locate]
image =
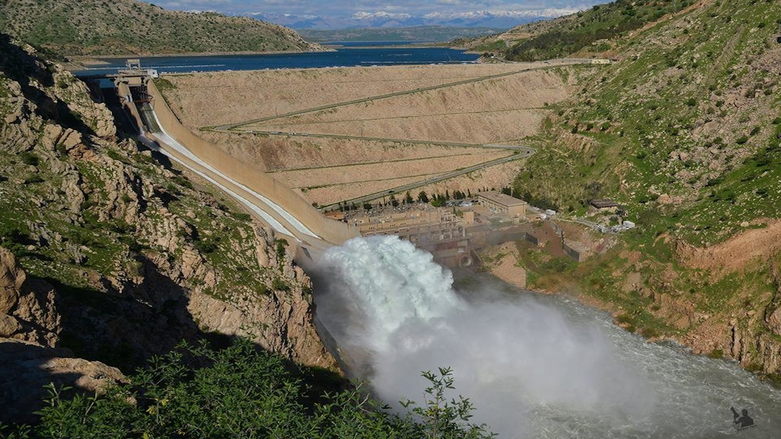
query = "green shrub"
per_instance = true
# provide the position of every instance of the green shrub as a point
(206, 246)
(33, 179)
(716, 353)
(183, 181)
(279, 285)
(29, 158)
(281, 249)
(240, 392)
(242, 216)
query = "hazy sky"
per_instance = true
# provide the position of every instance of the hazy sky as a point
(346, 8)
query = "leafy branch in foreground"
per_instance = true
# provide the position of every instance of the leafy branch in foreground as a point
(442, 419)
(239, 392)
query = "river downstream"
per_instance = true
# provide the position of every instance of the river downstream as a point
(534, 366)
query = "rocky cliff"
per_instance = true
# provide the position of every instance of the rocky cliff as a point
(110, 257)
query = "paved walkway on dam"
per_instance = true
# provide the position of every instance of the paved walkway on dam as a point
(384, 139)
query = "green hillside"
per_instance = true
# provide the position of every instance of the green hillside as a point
(691, 111)
(683, 130)
(592, 29)
(99, 27)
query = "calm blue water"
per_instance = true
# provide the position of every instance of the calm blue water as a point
(356, 44)
(342, 57)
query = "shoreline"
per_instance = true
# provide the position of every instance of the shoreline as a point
(193, 54)
(610, 308)
(85, 62)
(77, 62)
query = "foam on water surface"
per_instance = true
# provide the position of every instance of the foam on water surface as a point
(534, 367)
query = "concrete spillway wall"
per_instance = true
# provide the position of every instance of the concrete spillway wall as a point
(330, 231)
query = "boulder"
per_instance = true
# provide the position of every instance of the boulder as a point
(27, 307)
(25, 368)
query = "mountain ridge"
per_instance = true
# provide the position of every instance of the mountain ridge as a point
(94, 27)
(108, 256)
(497, 19)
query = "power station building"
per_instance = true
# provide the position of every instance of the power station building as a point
(502, 204)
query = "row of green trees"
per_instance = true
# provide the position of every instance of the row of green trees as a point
(241, 392)
(436, 200)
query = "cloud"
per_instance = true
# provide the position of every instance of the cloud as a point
(195, 5)
(347, 9)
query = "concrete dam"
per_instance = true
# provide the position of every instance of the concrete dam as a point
(451, 240)
(266, 199)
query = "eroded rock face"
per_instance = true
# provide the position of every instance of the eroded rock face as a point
(131, 245)
(29, 331)
(281, 323)
(774, 321)
(27, 307)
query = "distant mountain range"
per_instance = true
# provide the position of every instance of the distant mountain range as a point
(425, 34)
(362, 20)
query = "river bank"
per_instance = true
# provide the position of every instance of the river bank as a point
(660, 301)
(534, 365)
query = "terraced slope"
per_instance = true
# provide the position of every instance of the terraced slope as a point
(332, 133)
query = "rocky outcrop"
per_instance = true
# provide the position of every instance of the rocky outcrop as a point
(26, 368)
(286, 316)
(108, 257)
(773, 312)
(27, 310)
(29, 331)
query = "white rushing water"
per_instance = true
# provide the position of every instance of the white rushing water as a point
(534, 366)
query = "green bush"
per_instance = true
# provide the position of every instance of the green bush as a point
(29, 158)
(242, 216)
(183, 181)
(279, 285)
(33, 179)
(206, 246)
(239, 392)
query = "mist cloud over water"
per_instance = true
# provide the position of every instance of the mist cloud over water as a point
(394, 313)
